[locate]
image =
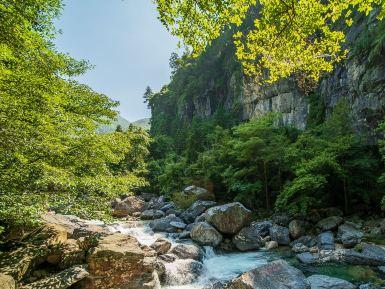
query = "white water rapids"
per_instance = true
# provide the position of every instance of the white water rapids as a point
(217, 267)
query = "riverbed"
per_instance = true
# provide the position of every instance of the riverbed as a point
(224, 266)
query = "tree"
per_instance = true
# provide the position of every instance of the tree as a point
(287, 38)
(119, 128)
(257, 149)
(329, 163)
(50, 155)
(147, 96)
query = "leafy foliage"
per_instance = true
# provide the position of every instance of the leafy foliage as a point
(50, 155)
(287, 37)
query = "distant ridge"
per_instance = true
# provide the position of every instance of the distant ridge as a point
(143, 123)
(112, 127)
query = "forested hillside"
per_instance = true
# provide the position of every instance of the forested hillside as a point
(274, 145)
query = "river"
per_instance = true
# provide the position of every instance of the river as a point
(224, 266)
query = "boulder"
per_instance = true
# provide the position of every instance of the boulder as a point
(271, 245)
(201, 218)
(74, 226)
(178, 225)
(308, 241)
(229, 218)
(7, 282)
(129, 206)
(168, 258)
(61, 280)
(326, 241)
(205, 234)
(251, 237)
(67, 255)
(22, 261)
(182, 272)
(299, 248)
(161, 246)
(297, 228)
(326, 282)
(168, 206)
(330, 223)
(275, 275)
(119, 261)
(156, 203)
(187, 251)
(307, 258)
(279, 234)
(196, 209)
(199, 193)
(349, 235)
(164, 224)
(152, 214)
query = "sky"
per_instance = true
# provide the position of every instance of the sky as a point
(126, 43)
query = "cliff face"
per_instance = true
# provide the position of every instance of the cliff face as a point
(360, 80)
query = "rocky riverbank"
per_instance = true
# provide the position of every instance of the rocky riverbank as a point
(67, 252)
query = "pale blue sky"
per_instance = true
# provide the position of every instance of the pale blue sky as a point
(127, 44)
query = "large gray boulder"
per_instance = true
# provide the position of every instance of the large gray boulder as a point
(326, 282)
(164, 224)
(275, 275)
(229, 218)
(280, 235)
(297, 228)
(330, 223)
(205, 234)
(349, 235)
(250, 238)
(188, 251)
(196, 209)
(326, 241)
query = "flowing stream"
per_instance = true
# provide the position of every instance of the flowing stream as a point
(226, 266)
(217, 266)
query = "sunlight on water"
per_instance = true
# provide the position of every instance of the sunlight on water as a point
(217, 267)
(224, 267)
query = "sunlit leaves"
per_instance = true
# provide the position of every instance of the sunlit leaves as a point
(50, 155)
(288, 38)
